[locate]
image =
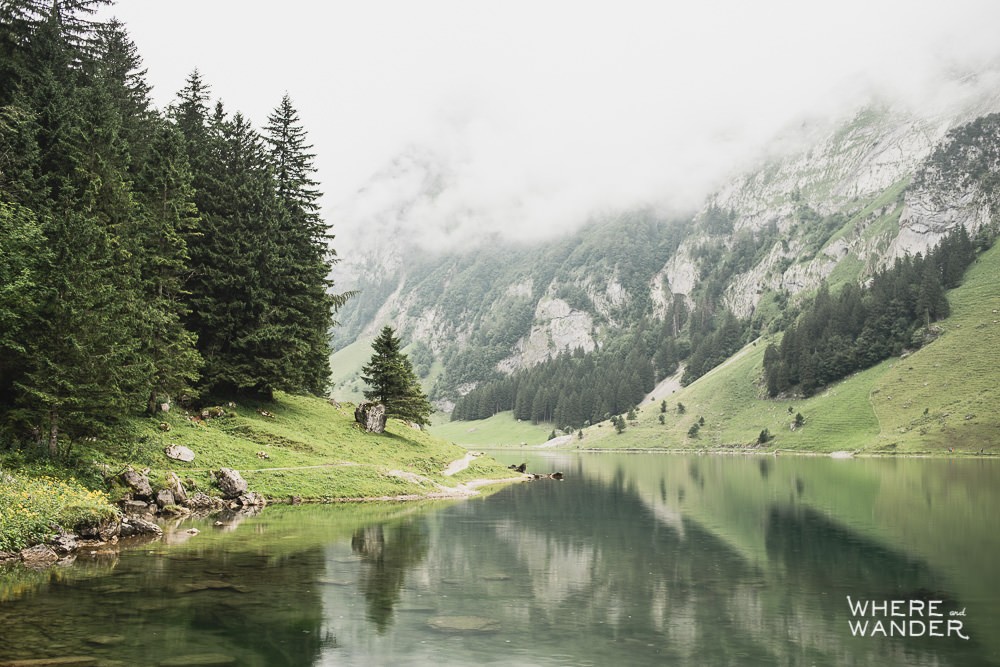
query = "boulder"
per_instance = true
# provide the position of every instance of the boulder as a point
(201, 502)
(64, 544)
(175, 486)
(138, 507)
(179, 453)
(230, 482)
(104, 532)
(165, 497)
(251, 499)
(40, 555)
(137, 482)
(371, 416)
(133, 525)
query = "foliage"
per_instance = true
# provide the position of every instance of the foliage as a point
(145, 258)
(859, 327)
(30, 506)
(393, 383)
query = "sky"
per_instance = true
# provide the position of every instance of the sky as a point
(451, 119)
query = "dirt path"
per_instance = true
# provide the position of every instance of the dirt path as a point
(459, 465)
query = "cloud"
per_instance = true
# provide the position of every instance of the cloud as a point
(447, 120)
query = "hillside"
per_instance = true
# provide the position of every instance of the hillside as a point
(937, 399)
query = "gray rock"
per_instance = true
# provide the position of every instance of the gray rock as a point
(40, 555)
(175, 486)
(64, 544)
(252, 499)
(138, 482)
(165, 497)
(371, 416)
(201, 502)
(230, 482)
(138, 507)
(179, 453)
(133, 525)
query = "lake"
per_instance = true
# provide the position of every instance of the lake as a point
(632, 559)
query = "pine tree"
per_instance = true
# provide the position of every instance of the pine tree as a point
(302, 281)
(392, 382)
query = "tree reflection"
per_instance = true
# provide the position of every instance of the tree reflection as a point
(389, 550)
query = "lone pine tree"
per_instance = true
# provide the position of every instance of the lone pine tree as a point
(393, 383)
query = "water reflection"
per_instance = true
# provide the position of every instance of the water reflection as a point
(387, 561)
(631, 560)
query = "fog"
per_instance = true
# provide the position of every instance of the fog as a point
(449, 120)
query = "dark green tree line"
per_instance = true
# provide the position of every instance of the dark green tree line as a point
(145, 257)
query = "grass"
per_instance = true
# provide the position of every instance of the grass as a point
(304, 446)
(499, 430)
(346, 366)
(307, 448)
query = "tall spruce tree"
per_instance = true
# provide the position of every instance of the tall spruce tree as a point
(301, 278)
(393, 383)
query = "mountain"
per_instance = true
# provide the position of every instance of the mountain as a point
(832, 204)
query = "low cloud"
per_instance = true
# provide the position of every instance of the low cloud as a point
(445, 121)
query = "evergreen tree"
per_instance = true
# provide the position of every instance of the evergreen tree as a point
(306, 257)
(392, 382)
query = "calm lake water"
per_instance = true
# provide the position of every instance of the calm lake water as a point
(633, 559)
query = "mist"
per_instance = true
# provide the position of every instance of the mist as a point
(442, 122)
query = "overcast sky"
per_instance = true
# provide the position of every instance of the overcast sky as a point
(528, 116)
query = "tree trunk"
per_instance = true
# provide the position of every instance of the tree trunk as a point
(53, 433)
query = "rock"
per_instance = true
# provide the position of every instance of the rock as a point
(64, 544)
(179, 453)
(165, 497)
(175, 486)
(371, 416)
(104, 532)
(212, 585)
(138, 482)
(138, 507)
(106, 640)
(8, 556)
(475, 624)
(230, 482)
(200, 660)
(40, 555)
(252, 499)
(175, 511)
(200, 502)
(133, 525)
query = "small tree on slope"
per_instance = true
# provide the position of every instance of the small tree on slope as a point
(393, 382)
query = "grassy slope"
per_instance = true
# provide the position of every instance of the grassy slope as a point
(498, 430)
(880, 410)
(346, 365)
(325, 455)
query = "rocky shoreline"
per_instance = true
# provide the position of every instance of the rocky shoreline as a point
(140, 507)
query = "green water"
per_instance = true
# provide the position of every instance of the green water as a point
(634, 559)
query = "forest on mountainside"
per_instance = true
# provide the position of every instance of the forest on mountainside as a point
(146, 256)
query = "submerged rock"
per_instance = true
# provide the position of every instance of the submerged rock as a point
(476, 624)
(200, 660)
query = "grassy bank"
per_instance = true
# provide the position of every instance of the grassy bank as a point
(296, 446)
(30, 505)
